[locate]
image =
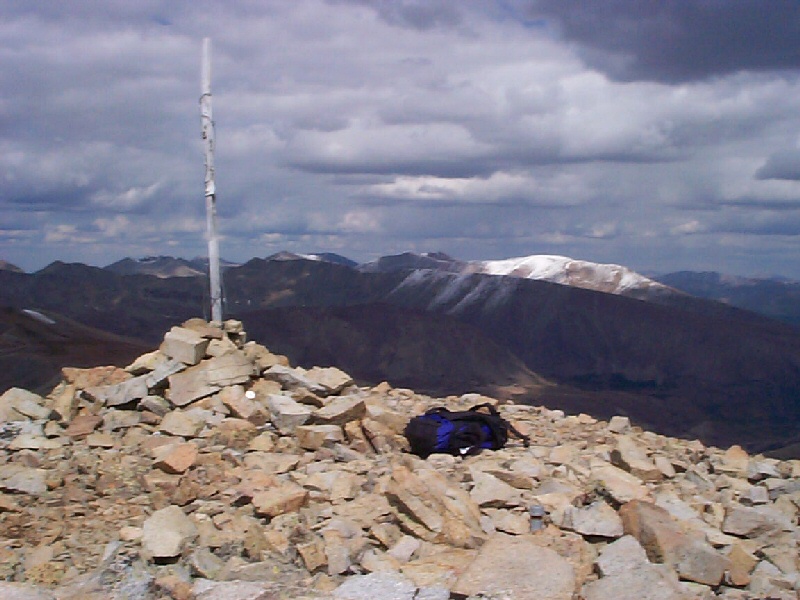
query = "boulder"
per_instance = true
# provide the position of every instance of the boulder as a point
(620, 485)
(665, 542)
(167, 533)
(17, 404)
(340, 410)
(597, 519)
(633, 458)
(286, 414)
(184, 345)
(517, 567)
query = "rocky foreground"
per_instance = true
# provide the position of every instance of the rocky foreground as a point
(211, 469)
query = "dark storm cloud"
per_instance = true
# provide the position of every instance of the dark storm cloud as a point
(781, 165)
(679, 40)
(417, 14)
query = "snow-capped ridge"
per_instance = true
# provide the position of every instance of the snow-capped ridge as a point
(609, 278)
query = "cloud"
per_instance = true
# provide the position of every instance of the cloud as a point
(417, 14)
(622, 132)
(678, 40)
(781, 165)
(499, 188)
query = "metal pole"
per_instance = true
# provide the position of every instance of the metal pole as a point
(207, 122)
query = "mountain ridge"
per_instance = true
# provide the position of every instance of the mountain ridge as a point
(683, 363)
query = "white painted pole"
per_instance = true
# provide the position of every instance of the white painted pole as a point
(207, 122)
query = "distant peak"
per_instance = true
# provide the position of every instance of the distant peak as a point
(7, 266)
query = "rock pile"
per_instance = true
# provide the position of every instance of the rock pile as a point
(212, 469)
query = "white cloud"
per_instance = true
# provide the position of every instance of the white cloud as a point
(125, 200)
(514, 188)
(688, 228)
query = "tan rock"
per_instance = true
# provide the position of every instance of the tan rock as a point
(374, 561)
(176, 458)
(357, 438)
(186, 423)
(263, 359)
(119, 393)
(64, 401)
(340, 410)
(21, 591)
(563, 454)
(514, 522)
(190, 385)
(752, 522)
(337, 554)
(130, 534)
(332, 379)
(621, 485)
(220, 347)
(643, 582)
(664, 541)
(100, 440)
(271, 462)
(735, 461)
(167, 532)
(505, 566)
(184, 345)
(145, 363)
(664, 465)
(238, 403)
(121, 419)
(292, 379)
(491, 491)
(313, 437)
(380, 437)
(445, 510)
(83, 425)
(742, 563)
(264, 442)
(313, 554)
(619, 424)
(633, 458)
(22, 479)
(283, 498)
(597, 519)
(18, 404)
(97, 376)
(34, 442)
(286, 414)
(441, 567)
(229, 369)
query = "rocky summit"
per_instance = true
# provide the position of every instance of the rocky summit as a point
(213, 469)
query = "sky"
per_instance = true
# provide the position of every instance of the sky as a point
(662, 135)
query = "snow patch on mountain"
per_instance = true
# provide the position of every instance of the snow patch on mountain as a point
(609, 278)
(35, 314)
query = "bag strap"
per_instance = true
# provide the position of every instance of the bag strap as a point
(526, 440)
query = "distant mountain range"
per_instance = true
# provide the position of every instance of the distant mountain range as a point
(676, 363)
(164, 266)
(775, 298)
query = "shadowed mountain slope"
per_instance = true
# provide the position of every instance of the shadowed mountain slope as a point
(34, 346)
(408, 348)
